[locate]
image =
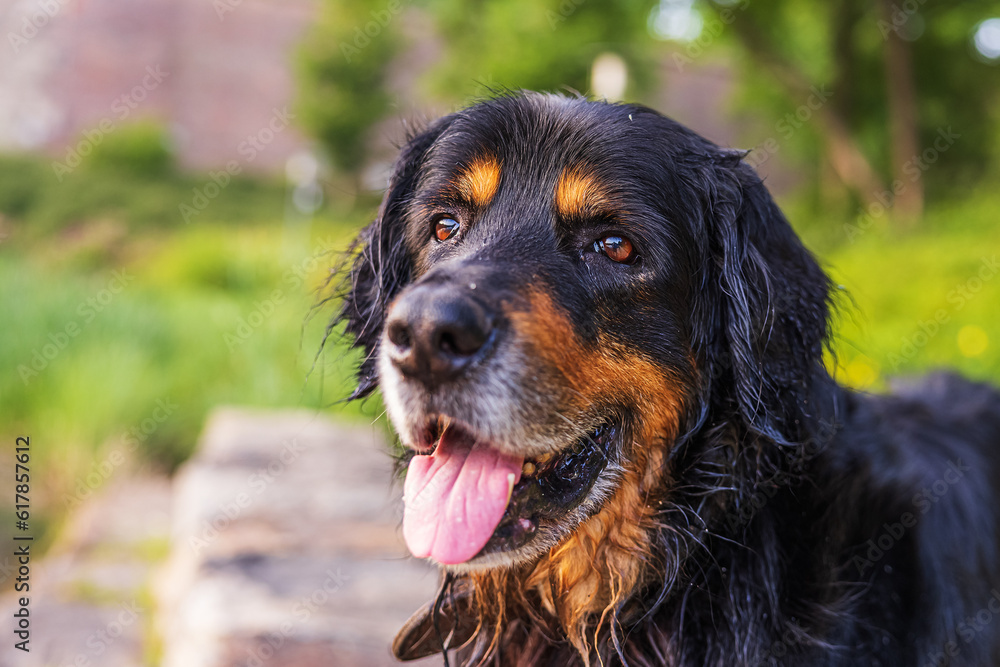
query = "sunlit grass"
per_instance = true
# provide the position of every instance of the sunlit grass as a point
(921, 300)
(98, 368)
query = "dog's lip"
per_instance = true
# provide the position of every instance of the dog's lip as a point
(558, 476)
(426, 437)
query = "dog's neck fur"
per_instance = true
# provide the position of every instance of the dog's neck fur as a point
(586, 578)
(646, 571)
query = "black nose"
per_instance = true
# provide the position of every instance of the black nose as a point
(435, 331)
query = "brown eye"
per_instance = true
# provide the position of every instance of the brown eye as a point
(445, 228)
(617, 248)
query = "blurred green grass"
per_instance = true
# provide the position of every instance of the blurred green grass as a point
(915, 301)
(202, 317)
(125, 329)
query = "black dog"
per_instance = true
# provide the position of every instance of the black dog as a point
(602, 345)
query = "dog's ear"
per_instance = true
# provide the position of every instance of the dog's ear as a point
(382, 266)
(764, 304)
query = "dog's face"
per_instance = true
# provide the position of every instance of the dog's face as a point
(547, 297)
(542, 332)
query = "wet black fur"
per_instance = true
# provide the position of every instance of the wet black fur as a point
(782, 480)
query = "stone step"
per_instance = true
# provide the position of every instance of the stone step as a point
(286, 548)
(90, 602)
(276, 545)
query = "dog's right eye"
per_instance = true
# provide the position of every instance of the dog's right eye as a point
(616, 248)
(445, 228)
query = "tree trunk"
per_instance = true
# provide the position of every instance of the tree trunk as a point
(846, 157)
(908, 203)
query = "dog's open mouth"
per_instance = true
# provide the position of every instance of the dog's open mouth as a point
(465, 498)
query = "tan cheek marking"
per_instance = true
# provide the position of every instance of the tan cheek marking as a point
(600, 373)
(579, 193)
(478, 183)
(606, 559)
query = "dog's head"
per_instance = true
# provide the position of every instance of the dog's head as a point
(557, 298)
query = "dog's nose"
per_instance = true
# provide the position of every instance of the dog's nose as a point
(434, 333)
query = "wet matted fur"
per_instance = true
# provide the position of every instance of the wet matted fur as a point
(601, 293)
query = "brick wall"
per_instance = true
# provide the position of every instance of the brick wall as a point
(213, 71)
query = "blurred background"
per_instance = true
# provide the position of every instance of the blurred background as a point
(178, 177)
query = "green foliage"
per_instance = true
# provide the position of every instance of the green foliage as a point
(842, 46)
(342, 68)
(23, 183)
(486, 47)
(920, 301)
(202, 317)
(141, 148)
(959, 91)
(783, 49)
(117, 308)
(549, 45)
(129, 180)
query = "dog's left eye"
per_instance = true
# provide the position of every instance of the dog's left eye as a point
(445, 228)
(617, 248)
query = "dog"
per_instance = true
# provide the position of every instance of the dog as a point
(602, 347)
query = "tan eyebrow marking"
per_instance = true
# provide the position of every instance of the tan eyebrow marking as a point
(579, 193)
(478, 183)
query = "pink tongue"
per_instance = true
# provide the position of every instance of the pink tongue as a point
(455, 498)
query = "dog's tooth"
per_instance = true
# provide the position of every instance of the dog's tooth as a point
(543, 459)
(510, 485)
(528, 469)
